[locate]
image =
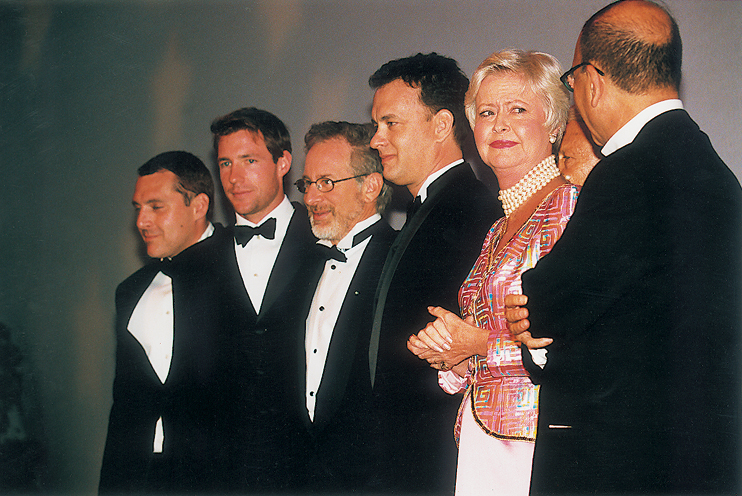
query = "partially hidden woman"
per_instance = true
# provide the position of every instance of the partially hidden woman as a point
(517, 107)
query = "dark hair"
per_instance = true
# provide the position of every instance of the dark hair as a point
(193, 176)
(260, 122)
(441, 82)
(363, 159)
(634, 64)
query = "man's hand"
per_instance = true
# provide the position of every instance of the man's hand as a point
(448, 340)
(518, 323)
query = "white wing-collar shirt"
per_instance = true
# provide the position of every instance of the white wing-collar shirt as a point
(328, 300)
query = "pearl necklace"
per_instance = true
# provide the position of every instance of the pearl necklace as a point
(537, 178)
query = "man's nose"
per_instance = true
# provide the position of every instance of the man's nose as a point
(143, 219)
(312, 195)
(377, 139)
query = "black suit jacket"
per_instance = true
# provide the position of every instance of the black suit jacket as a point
(188, 401)
(341, 433)
(642, 296)
(265, 437)
(426, 265)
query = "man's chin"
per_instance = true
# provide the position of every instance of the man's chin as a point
(324, 231)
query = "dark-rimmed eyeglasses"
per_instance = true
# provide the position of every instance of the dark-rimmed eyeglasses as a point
(324, 184)
(568, 78)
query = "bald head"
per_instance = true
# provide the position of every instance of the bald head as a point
(636, 43)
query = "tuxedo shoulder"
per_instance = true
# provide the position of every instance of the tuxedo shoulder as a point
(147, 271)
(136, 281)
(469, 201)
(383, 230)
(300, 230)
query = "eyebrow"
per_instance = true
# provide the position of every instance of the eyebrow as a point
(148, 202)
(239, 157)
(387, 117)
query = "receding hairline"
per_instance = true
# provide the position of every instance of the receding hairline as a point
(647, 21)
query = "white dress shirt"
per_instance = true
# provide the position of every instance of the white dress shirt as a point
(326, 305)
(151, 323)
(257, 257)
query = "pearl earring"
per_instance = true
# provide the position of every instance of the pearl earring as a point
(552, 139)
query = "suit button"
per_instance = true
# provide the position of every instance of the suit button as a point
(260, 331)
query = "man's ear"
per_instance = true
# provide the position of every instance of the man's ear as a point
(200, 205)
(443, 122)
(284, 163)
(372, 187)
(597, 85)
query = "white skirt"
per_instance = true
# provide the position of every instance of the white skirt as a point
(491, 466)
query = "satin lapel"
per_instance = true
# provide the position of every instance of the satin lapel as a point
(318, 260)
(397, 251)
(235, 284)
(133, 293)
(286, 263)
(348, 329)
(128, 300)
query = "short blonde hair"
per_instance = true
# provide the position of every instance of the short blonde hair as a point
(540, 70)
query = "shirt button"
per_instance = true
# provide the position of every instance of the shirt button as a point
(311, 393)
(321, 309)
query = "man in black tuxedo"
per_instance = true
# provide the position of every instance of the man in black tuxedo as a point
(345, 195)
(639, 301)
(266, 269)
(418, 110)
(161, 430)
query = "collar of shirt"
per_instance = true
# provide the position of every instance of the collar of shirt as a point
(347, 242)
(423, 193)
(282, 213)
(628, 132)
(208, 232)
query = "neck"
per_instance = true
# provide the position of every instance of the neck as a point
(257, 218)
(446, 156)
(365, 215)
(628, 105)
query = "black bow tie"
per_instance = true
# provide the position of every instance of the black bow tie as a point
(243, 234)
(335, 253)
(414, 206)
(165, 265)
(332, 252)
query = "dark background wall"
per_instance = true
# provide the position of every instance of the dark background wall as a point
(90, 90)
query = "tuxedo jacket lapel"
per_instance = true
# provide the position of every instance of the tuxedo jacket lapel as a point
(290, 257)
(397, 250)
(352, 327)
(129, 298)
(235, 284)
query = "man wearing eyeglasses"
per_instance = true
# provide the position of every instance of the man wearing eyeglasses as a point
(345, 195)
(418, 110)
(639, 301)
(265, 264)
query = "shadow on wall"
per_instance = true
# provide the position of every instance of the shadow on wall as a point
(22, 453)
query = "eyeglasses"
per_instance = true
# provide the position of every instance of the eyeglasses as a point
(324, 184)
(568, 78)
